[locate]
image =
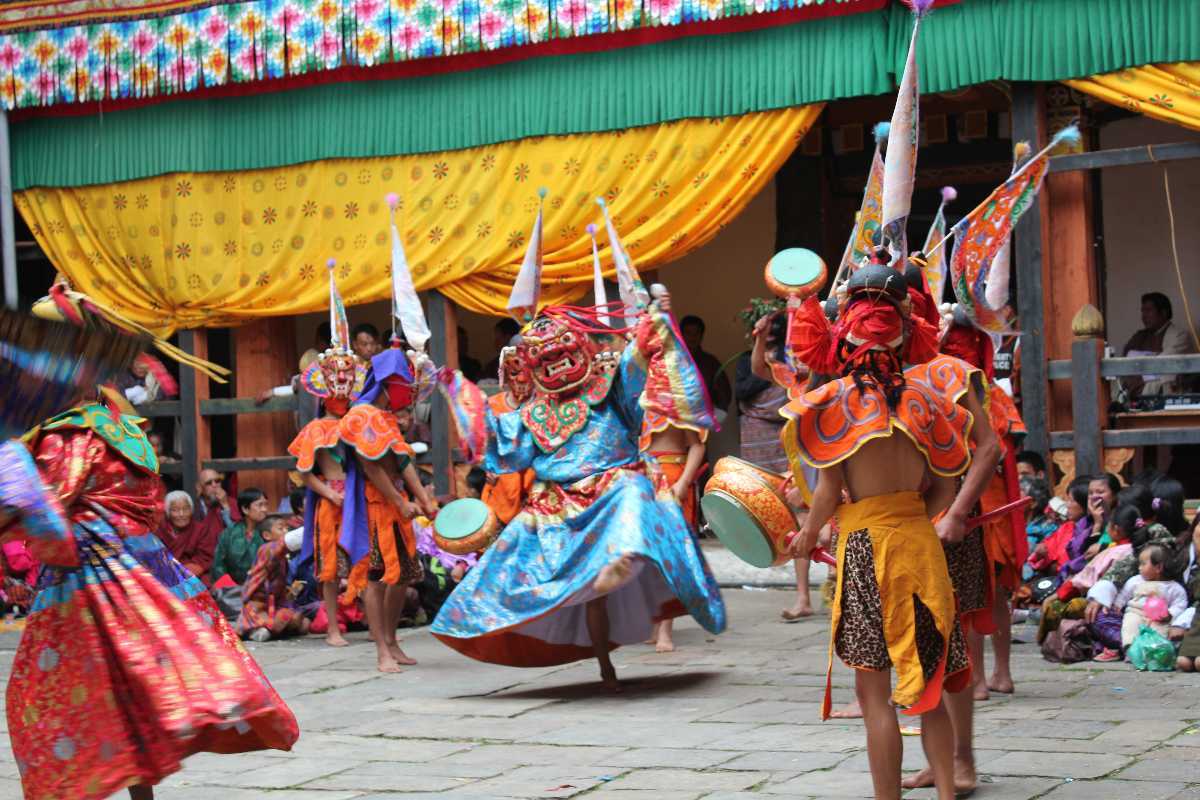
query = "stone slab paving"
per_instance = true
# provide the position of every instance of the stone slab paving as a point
(725, 718)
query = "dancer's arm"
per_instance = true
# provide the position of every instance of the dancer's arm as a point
(417, 490)
(825, 500)
(691, 469)
(378, 476)
(321, 488)
(951, 527)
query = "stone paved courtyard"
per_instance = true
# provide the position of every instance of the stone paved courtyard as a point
(726, 718)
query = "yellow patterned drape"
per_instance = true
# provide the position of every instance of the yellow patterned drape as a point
(215, 249)
(1168, 92)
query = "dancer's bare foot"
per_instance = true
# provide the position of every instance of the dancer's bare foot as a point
(802, 608)
(664, 643)
(850, 711)
(388, 664)
(1001, 683)
(614, 574)
(981, 692)
(608, 677)
(399, 656)
(965, 779)
(653, 634)
(335, 639)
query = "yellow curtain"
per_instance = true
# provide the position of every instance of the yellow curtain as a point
(214, 249)
(1169, 92)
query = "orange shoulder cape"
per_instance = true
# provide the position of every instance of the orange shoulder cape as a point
(1005, 418)
(320, 434)
(835, 420)
(373, 433)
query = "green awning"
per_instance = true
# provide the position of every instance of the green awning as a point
(830, 59)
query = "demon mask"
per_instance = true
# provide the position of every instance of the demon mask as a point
(558, 356)
(514, 374)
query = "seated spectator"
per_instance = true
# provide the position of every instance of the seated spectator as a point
(239, 543)
(1040, 518)
(365, 341)
(1050, 556)
(1092, 536)
(268, 599)
(193, 544)
(1188, 561)
(1030, 465)
(1067, 602)
(147, 380)
(1159, 336)
(1153, 512)
(692, 329)
(294, 512)
(1130, 603)
(213, 498)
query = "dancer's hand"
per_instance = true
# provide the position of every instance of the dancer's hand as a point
(680, 491)
(803, 543)
(409, 510)
(951, 528)
(794, 498)
(336, 497)
(429, 506)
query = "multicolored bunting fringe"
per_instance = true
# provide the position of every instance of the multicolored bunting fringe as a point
(93, 55)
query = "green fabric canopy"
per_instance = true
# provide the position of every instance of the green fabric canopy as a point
(969, 43)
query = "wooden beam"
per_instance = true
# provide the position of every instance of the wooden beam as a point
(157, 409)
(1030, 308)
(246, 405)
(273, 463)
(1125, 156)
(1145, 437)
(189, 413)
(1121, 367)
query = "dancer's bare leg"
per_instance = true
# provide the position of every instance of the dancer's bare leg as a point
(803, 605)
(1001, 680)
(396, 598)
(597, 622)
(884, 745)
(614, 574)
(377, 618)
(961, 707)
(663, 642)
(329, 596)
(141, 793)
(937, 739)
(978, 675)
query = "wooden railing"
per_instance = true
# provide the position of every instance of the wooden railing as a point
(1087, 370)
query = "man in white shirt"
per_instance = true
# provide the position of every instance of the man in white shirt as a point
(1158, 336)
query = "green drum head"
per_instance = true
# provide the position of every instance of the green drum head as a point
(461, 518)
(796, 267)
(736, 529)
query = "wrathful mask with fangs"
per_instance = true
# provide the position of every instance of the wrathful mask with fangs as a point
(341, 372)
(559, 358)
(516, 375)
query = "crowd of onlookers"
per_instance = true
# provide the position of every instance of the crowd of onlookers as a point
(1112, 572)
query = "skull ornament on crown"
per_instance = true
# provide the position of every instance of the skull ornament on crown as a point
(558, 355)
(514, 373)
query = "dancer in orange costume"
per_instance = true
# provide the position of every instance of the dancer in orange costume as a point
(506, 493)
(336, 377)
(377, 518)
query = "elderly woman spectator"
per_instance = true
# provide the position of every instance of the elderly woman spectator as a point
(191, 542)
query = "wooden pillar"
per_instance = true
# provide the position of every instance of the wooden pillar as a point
(1069, 277)
(264, 357)
(1087, 390)
(195, 438)
(1027, 248)
(443, 349)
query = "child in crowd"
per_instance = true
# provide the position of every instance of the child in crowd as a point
(1132, 600)
(1049, 556)
(1069, 602)
(1041, 518)
(269, 610)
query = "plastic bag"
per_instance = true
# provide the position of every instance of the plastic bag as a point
(1152, 651)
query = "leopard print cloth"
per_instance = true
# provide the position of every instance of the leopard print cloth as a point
(968, 564)
(411, 570)
(860, 641)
